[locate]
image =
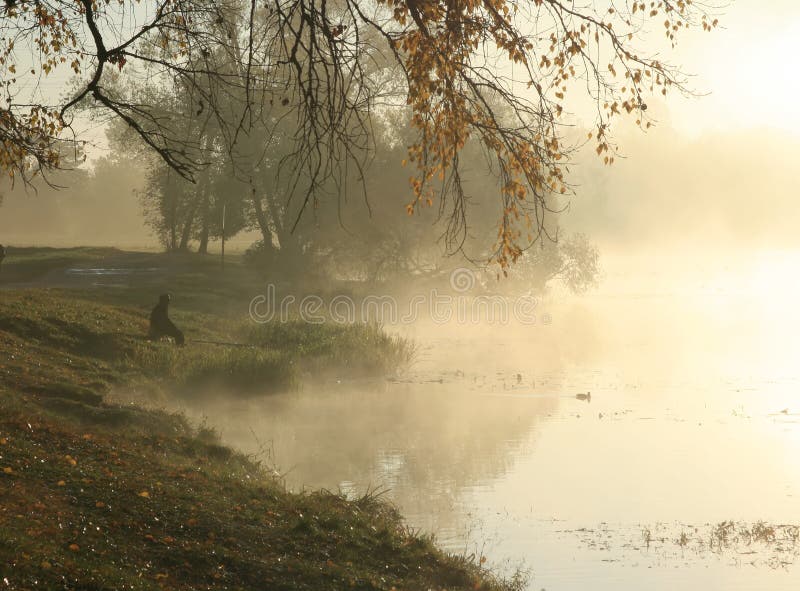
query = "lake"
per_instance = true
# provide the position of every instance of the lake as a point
(681, 469)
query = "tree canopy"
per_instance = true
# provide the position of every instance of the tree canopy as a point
(315, 75)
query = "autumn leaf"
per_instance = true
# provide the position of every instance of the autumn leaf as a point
(440, 47)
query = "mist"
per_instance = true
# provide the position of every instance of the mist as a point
(710, 195)
(277, 325)
(716, 193)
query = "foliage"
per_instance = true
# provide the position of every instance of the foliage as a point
(348, 241)
(324, 71)
(572, 260)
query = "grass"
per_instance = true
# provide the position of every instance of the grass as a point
(102, 496)
(91, 505)
(25, 264)
(58, 336)
(759, 543)
(362, 349)
(245, 370)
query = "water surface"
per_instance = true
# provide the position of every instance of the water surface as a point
(694, 420)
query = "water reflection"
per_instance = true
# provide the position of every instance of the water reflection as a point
(693, 422)
(421, 444)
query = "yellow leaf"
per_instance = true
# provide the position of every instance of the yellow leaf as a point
(144, 494)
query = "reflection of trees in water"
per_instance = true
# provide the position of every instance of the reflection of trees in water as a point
(425, 443)
(428, 443)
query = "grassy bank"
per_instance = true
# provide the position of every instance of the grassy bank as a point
(100, 496)
(57, 335)
(140, 500)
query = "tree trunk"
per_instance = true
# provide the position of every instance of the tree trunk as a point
(173, 227)
(171, 218)
(261, 218)
(204, 220)
(288, 242)
(187, 231)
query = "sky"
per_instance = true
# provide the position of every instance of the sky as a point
(747, 67)
(718, 169)
(742, 72)
(717, 174)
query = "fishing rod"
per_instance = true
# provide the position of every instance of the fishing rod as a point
(221, 343)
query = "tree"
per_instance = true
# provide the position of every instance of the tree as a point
(178, 211)
(169, 206)
(495, 71)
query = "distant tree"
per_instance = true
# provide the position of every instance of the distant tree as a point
(572, 261)
(169, 207)
(345, 240)
(497, 71)
(179, 212)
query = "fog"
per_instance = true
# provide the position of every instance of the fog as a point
(652, 396)
(686, 342)
(488, 442)
(716, 193)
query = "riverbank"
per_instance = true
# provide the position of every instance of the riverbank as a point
(98, 495)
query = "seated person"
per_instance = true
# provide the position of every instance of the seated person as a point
(161, 325)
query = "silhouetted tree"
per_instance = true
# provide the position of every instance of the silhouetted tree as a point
(496, 71)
